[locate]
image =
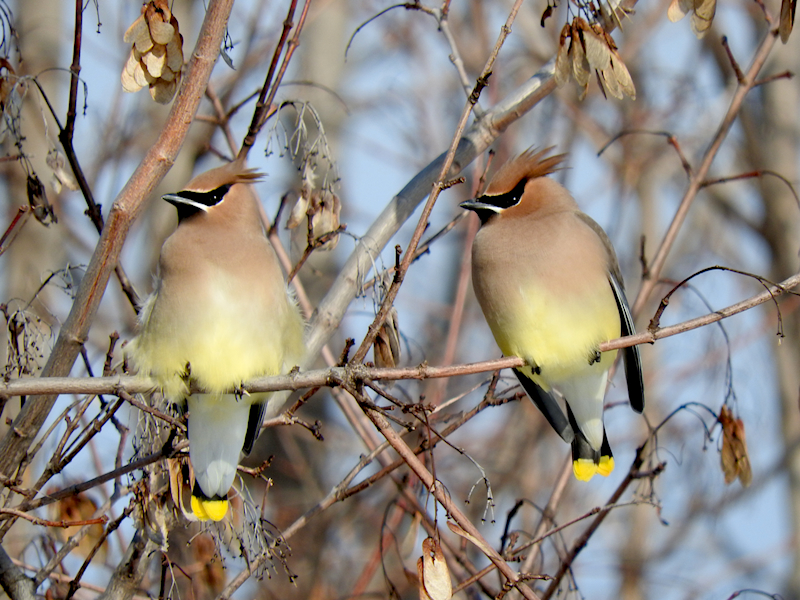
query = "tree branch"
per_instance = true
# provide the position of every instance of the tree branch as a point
(129, 203)
(14, 582)
(329, 377)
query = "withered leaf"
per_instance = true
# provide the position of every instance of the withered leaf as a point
(162, 90)
(387, 343)
(325, 219)
(598, 54)
(703, 16)
(37, 199)
(679, 9)
(563, 66)
(80, 508)
(300, 208)
(734, 457)
(155, 60)
(788, 8)
(434, 576)
(63, 175)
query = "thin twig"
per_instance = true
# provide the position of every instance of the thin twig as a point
(660, 258)
(329, 377)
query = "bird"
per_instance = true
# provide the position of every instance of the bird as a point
(548, 282)
(221, 314)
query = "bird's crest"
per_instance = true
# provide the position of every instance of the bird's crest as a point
(528, 165)
(233, 172)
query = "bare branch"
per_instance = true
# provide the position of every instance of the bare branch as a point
(14, 582)
(126, 208)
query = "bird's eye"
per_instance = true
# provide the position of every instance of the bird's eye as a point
(210, 198)
(510, 198)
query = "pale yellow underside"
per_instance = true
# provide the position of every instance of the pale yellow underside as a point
(556, 334)
(224, 337)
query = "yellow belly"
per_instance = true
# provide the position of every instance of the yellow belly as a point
(558, 335)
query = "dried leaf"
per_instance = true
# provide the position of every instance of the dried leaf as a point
(387, 343)
(155, 60)
(580, 66)
(144, 43)
(158, 18)
(788, 8)
(223, 52)
(79, 508)
(703, 16)
(63, 175)
(609, 82)
(326, 208)
(163, 91)
(167, 74)
(300, 209)
(37, 199)
(141, 76)
(679, 9)
(175, 51)
(129, 82)
(598, 54)
(563, 67)
(156, 57)
(162, 33)
(623, 77)
(734, 457)
(137, 31)
(434, 576)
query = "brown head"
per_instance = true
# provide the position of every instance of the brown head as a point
(521, 187)
(216, 192)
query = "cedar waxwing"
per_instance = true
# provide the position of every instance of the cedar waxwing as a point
(547, 279)
(220, 315)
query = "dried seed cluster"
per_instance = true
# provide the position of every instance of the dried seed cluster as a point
(702, 13)
(156, 57)
(590, 49)
(322, 207)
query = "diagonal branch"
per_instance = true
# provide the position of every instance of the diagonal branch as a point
(14, 582)
(699, 176)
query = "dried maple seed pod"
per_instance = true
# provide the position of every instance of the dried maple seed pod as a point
(156, 57)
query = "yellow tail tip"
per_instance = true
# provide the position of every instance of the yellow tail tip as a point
(585, 468)
(606, 465)
(205, 509)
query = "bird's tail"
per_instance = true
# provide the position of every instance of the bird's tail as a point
(205, 508)
(586, 461)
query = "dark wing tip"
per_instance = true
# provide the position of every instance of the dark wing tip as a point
(548, 406)
(630, 355)
(254, 422)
